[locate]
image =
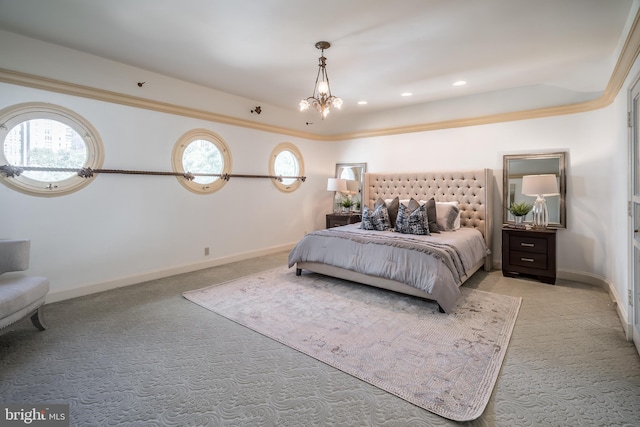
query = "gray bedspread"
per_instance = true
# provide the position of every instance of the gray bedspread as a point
(436, 264)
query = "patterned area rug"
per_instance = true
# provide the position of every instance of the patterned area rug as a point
(446, 364)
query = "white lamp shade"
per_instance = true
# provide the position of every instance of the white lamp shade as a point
(337, 184)
(352, 186)
(544, 185)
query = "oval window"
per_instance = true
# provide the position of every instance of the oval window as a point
(286, 163)
(44, 146)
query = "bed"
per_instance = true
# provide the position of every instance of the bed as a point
(407, 263)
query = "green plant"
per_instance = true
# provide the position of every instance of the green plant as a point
(346, 202)
(520, 209)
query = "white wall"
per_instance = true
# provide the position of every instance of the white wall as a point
(619, 257)
(592, 141)
(124, 228)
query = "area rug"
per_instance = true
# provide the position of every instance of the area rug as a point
(445, 363)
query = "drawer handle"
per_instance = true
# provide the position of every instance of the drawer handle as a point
(527, 259)
(529, 245)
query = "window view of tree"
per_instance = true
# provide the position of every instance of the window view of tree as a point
(286, 164)
(202, 156)
(45, 143)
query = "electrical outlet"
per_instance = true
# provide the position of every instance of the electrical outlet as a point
(206, 251)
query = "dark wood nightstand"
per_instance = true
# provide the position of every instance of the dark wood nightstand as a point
(338, 219)
(529, 252)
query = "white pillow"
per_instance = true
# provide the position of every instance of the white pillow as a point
(443, 212)
(406, 202)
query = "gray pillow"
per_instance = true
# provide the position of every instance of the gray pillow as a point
(413, 204)
(412, 222)
(432, 216)
(377, 219)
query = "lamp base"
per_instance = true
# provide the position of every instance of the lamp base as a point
(337, 203)
(540, 213)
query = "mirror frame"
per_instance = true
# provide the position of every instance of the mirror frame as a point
(363, 170)
(562, 181)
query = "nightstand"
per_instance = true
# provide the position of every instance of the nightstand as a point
(529, 252)
(338, 219)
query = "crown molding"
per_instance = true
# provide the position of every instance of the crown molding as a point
(625, 62)
(53, 85)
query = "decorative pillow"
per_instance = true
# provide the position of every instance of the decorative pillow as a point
(412, 222)
(377, 219)
(432, 216)
(447, 215)
(392, 208)
(413, 204)
(454, 203)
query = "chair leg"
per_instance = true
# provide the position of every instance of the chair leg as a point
(37, 319)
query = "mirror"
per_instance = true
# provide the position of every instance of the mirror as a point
(354, 174)
(517, 166)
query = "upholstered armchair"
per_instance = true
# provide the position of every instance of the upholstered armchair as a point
(20, 295)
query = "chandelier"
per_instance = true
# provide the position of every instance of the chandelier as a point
(322, 100)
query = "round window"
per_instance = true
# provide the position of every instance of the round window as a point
(43, 148)
(204, 155)
(286, 164)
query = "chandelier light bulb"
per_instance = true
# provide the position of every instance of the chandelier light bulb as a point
(323, 87)
(304, 105)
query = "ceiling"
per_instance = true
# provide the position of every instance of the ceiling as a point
(513, 54)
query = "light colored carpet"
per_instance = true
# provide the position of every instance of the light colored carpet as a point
(144, 355)
(447, 364)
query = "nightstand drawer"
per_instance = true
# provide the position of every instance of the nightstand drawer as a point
(528, 259)
(337, 220)
(528, 244)
(529, 252)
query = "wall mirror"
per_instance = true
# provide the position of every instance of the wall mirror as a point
(354, 174)
(519, 165)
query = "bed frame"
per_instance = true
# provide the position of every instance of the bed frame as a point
(472, 189)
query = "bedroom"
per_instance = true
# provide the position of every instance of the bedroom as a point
(122, 230)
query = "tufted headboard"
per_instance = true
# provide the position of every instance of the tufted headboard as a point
(471, 188)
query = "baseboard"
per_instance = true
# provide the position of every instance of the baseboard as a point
(599, 281)
(594, 279)
(159, 274)
(576, 276)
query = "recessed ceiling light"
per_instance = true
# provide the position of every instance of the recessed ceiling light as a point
(406, 94)
(362, 102)
(460, 83)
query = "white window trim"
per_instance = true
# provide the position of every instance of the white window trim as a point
(286, 146)
(178, 151)
(15, 114)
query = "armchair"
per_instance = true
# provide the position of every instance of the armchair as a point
(20, 295)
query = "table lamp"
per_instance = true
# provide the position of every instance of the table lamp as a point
(540, 186)
(339, 186)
